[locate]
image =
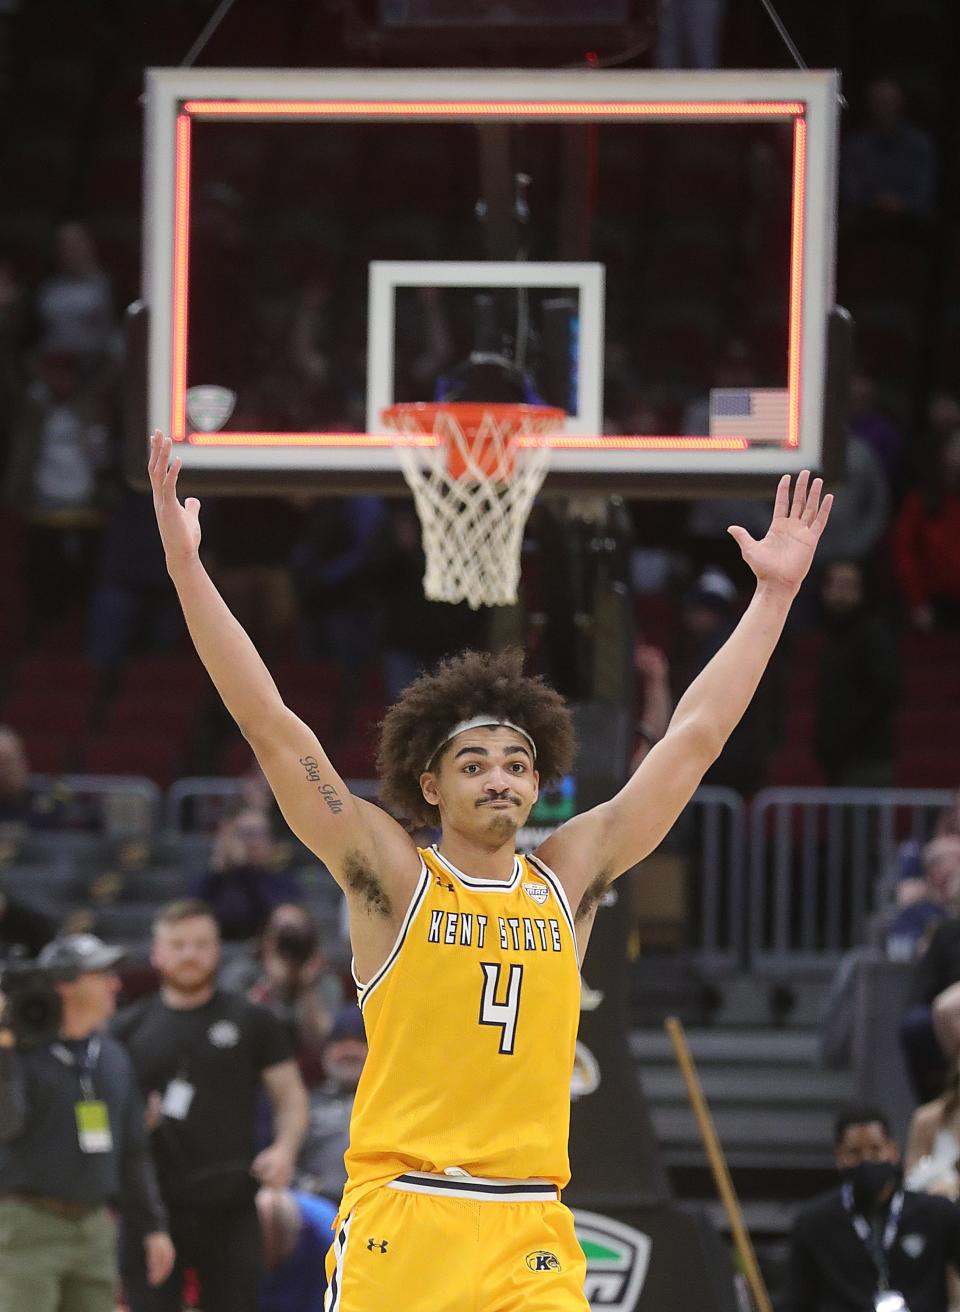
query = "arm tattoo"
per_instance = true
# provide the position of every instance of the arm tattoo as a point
(329, 794)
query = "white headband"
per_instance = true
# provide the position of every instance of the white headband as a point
(480, 722)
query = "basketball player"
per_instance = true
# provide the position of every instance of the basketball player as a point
(466, 955)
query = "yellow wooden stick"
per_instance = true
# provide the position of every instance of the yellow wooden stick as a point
(718, 1166)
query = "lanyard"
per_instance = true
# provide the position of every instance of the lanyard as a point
(867, 1235)
(84, 1067)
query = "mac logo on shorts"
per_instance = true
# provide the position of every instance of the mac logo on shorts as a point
(223, 1034)
(537, 891)
(541, 1260)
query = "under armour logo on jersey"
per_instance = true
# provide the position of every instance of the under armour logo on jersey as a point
(373, 1244)
(443, 884)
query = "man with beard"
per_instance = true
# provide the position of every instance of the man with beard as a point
(201, 1056)
(871, 1243)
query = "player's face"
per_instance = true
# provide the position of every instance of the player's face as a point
(186, 954)
(485, 784)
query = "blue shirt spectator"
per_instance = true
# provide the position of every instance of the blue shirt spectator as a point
(297, 1230)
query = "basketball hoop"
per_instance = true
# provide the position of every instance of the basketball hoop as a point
(473, 489)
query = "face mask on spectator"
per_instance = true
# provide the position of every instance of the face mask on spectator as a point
(873, 1183)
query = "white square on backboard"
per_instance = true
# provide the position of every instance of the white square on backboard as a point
(588, 279)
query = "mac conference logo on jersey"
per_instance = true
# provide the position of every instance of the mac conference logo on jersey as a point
(537, 891)
(617, 1261)
(585, 1076)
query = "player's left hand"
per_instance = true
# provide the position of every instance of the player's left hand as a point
(273, 1166)
(783, 557)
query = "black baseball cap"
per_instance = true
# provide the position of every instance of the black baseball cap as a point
(79, 954)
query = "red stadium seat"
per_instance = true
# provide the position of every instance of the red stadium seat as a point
(794, 767)
(62, 712)
(935, 767)
(48, 753)
(42, 671)
(156, 756)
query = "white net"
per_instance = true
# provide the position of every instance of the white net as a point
(473, 491)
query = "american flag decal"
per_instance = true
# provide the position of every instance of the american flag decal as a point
(760, 414)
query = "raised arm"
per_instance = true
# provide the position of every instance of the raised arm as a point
(346, 832)
(601, 844)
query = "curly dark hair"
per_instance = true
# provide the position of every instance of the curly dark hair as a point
(472, 683)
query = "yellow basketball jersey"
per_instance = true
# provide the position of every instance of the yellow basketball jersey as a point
(471, 1024)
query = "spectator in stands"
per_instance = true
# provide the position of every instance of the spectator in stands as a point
(297, 1230)
(859, 684)
(657, 705)
(221, 253)
(887, 167)
(415, 632)
(59, 450)
(201, 1056)
(942, 420)
(926, 546)
(870, 1236)
(252, 538)
(862, 506)
(948, 822)
(933, 1142)
(245, 880)
(332, 568)
(321, 1167)
(930, 1030)
(25, 805)
(131, 609)
(708, 617)
(867, 421)
(74, 305)
(689, 33)
(294, 983)
(922, 902)
(12, 378)
(72, 1143)
(23, 926)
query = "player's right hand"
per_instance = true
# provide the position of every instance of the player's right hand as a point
(179, 524)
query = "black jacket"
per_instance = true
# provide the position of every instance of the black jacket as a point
(830, 1269)
(858, 695)
(939, 967)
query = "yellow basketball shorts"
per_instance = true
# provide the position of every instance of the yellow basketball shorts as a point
(427, 1243)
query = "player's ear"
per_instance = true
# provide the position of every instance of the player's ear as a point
(428, 786)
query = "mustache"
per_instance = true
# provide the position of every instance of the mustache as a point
(501, 797)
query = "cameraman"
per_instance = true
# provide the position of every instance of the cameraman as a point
(72, 1140)
(296, 986)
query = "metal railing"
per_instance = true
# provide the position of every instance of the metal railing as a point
(122, 804)
(198, 803)
(820, 866)
(791, 881)
(715, 827)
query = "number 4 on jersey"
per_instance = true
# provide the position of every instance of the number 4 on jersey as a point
(503, 1014)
